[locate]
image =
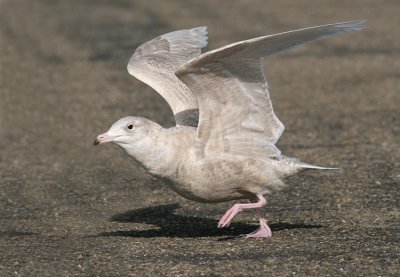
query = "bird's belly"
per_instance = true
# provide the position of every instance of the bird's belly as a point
(219, 180)
(205, 192)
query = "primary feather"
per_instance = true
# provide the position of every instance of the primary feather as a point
(156, 61)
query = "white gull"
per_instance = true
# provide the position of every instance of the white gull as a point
(223, 145)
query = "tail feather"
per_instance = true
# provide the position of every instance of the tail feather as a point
(310, 166)
(288, 166)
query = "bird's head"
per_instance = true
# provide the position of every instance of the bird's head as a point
(125, 132)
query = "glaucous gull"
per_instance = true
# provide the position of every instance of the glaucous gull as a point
(223, 145)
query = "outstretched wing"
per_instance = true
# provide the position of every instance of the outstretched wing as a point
(236, 114)
(156, 61)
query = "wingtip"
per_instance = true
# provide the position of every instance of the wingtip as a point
(201, 30)
(201, 33)
(354, 26)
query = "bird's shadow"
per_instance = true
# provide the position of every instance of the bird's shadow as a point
(172, 224)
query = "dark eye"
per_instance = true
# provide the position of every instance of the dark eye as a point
(130, 126)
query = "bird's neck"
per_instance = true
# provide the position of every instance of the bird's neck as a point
(164, 150)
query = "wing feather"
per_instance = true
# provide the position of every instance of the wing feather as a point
(236, 113)
(156, 61)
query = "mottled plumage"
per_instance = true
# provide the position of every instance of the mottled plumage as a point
(223, 146)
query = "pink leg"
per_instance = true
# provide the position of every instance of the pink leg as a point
(263, 231)
(230, 214)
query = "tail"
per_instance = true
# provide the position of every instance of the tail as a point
(310, 166)
(288, 166)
